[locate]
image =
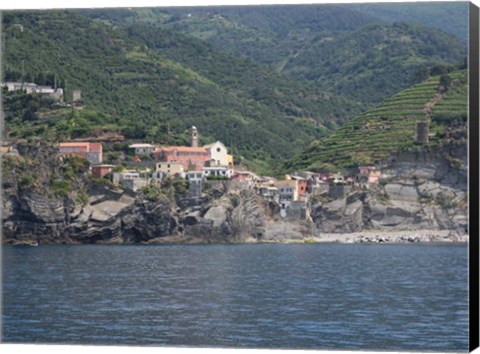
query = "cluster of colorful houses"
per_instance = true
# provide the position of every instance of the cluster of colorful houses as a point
(296, 188)
(197, 164)
(193, 163)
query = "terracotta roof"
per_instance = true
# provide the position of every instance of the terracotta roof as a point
(183, 149)
(73, 144)
(96, 147)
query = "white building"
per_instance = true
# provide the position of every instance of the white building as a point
(269, 193)
(218, 154)
(130, 180)
(288, 192)
(217, 171)
(30, 87)
(195, 177)
(142, 149)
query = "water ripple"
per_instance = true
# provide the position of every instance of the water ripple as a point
(262, 296)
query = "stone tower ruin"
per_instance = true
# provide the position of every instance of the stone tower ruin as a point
(422, 132)
(76, 96)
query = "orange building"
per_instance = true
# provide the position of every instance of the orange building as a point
(192, 158)
(302, 186)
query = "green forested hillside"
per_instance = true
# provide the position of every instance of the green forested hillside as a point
(391, 126)
(153, 84)
(448, 16)
(149, 74)
(265, 34)
(376, 61)
(339, 49)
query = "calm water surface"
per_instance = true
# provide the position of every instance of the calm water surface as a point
(389, 297)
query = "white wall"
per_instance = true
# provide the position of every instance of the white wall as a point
(218, 152)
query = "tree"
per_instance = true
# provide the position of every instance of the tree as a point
(41, 79)
(421, 75)
(445, 81)
(439, 70)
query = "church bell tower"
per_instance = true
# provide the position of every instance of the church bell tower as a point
(194, 137)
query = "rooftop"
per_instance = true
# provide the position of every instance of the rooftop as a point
(135, 146)
(290, 183)
(73, 144)
(95, 147)
(208, 146)
(183, 149)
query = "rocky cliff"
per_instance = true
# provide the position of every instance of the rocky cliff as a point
(419, 190)
(422, 190)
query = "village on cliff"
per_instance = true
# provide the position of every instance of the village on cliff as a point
(197, 164)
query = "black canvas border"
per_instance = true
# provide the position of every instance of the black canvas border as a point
(473, 175)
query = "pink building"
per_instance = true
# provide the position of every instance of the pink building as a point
(93, 152)
(192, 158)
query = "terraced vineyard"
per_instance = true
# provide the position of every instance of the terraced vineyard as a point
(391, 127)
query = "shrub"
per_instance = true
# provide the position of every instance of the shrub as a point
(61, 188)
(82, 197)
(444, 201)
(27, 181)
(180, 187)
(445, 81)
(153, 192)
(102, 181)
(217, 178)
(384, 197)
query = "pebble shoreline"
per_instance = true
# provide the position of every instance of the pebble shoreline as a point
(407, 236)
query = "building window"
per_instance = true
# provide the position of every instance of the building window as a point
(218, 149)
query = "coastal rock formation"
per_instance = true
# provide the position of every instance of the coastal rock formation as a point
(418, 191)
(235, 217)
(117, 217)
(423, 190)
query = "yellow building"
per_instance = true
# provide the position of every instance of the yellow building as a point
(170, 168)
(229, 160)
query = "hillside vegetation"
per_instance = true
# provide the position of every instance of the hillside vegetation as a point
(150, 74)
(449, 17)
(151, 84)
(376, 61)
(340, 50)
(264, 34)
(391, 127)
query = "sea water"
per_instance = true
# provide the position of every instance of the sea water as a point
(313, 296)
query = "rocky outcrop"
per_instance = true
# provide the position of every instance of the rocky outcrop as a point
(33, 217)
(114, 217)
(419, 191)
(422, 190)
(248, 219)
(235, 217)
